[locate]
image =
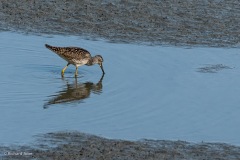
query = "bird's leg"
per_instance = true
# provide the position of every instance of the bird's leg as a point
(76, 72)
(76, 86)
(63, 70)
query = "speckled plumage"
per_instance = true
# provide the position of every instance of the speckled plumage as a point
(76, 56)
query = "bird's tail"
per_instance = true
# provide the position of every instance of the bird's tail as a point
(54, 49)
(48, 46)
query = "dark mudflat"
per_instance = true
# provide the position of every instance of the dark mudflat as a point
(75, 145)
(173, 22)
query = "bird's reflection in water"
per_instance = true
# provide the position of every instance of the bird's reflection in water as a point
(75, 92)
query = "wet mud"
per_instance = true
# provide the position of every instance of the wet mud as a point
(213, 68)
(75, 145)
(173, 22)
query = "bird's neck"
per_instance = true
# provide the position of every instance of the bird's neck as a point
(92, 61)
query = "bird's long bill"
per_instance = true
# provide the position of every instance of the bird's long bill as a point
(101, 66)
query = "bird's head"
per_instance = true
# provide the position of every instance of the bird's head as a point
(98, 60)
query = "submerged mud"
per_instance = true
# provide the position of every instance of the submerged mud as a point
(75, 145)
(171, 22)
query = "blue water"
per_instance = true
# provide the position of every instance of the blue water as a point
(147, 92)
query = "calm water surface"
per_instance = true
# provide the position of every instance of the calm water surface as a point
(147, 92)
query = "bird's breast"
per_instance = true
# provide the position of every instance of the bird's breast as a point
(80, 62)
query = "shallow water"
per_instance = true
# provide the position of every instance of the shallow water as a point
(147, 92)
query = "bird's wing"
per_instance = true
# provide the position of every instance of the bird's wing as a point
(70, 54)
(74, 53)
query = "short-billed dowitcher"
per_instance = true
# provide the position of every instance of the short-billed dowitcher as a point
(77, 57)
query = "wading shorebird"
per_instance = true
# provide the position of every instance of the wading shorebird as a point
(77, 57)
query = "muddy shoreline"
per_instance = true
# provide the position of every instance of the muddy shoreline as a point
(75, 145)
(174, 22)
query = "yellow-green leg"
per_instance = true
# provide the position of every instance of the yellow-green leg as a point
(76, 72)
(63, 70)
